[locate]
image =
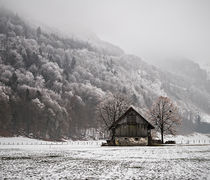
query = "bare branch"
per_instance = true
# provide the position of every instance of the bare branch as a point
(110, 109)
(164, 115)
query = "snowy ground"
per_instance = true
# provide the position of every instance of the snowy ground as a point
(23, 158)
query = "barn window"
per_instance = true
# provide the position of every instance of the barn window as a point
(131, 118)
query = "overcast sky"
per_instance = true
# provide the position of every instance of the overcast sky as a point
(151, 29)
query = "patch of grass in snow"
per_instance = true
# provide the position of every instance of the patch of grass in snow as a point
(28, 157)
(207, 151)
(53, 156)
(193, 159)
(15, 158)
(136, 167)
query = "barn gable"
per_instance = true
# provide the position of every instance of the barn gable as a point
(131, 116)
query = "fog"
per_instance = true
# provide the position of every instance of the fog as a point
(150, 29)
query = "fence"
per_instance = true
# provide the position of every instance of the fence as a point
(97, 143)
(194, 141)
(73, 143)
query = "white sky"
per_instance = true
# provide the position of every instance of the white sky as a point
(151, 29)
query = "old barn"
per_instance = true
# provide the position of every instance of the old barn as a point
(132, 129)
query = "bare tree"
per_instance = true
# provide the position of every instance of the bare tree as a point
(165, 117)
(109, 111)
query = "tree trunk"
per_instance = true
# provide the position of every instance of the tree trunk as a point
(162, 141)
(113, 136)
(149, 139)
(162, 127)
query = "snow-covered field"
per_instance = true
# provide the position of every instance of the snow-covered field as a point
(87, 160)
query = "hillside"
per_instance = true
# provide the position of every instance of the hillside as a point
(194, 79)
(50, 85)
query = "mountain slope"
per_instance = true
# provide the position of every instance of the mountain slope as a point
(50, 85)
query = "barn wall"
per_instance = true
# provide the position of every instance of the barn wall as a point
(129, 130)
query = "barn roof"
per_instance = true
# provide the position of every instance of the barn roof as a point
(131, 108)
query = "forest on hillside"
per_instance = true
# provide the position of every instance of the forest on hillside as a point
(50, 86)
(46, 91)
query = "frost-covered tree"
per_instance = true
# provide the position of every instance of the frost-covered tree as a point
(165, 116)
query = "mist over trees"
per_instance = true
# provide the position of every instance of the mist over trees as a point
(50, 86)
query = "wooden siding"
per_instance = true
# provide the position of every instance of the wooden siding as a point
(132, 126)
(137, 120)
(132, 130)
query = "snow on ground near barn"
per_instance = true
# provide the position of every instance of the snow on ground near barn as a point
(87, 160)
(195, 138)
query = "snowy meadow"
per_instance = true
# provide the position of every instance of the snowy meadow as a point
(88, 160)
